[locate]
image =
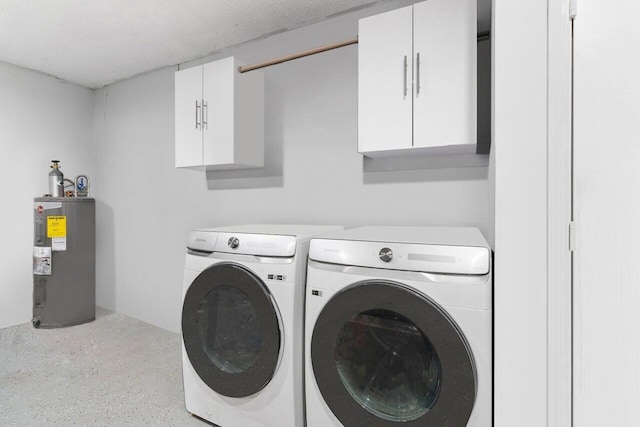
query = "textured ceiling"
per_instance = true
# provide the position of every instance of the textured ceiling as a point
(97, 42)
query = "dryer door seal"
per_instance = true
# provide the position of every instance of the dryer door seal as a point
(385, 355)
(231, 330)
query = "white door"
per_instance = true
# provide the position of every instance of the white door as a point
(607, 213)
(445, 55)
(219, 112)
(188, 117)
(385, 81)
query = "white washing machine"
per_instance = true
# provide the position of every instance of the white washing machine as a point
(242, 324)
(398, 328)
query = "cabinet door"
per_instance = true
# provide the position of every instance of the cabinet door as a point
(385, 81)
(188, 116)
(218, 147)
(445, 40)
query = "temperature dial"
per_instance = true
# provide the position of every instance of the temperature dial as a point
(233, 242)
(386, 254)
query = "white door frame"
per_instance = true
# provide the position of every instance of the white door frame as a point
(531, 166)
(559, 152)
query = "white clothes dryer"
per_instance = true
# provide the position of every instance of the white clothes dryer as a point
(398, 328)
(242, 324)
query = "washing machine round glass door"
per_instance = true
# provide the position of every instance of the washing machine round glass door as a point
(385, 355)
(231, 330)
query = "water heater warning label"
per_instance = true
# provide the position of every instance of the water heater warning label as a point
(57, 232)
(56, 226)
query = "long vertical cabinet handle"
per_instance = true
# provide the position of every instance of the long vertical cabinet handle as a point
(205, 115)
(405, 76)
(417, 74)
(197, 108)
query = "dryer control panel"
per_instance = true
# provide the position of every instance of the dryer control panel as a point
(403, 256)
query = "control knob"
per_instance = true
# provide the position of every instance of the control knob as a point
(386, 254)
(233, 242)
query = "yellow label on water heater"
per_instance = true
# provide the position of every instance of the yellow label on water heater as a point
(56, 226)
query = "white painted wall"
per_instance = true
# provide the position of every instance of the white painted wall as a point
(41, 118)
(520, 145)
(607, 207)
(313, 175)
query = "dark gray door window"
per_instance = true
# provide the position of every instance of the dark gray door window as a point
(388, 365)
(385, 355)
(231, 330)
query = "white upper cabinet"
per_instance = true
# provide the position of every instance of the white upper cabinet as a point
(445, 103)
(417, 81)
(219, 116)
(385, 99)
(188, 126)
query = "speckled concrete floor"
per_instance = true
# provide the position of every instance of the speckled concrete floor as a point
(115, 371)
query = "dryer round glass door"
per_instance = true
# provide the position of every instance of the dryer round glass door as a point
(385, 355)
(231, 330)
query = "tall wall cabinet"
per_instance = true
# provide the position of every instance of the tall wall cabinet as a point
(219, 116)
(417, 84)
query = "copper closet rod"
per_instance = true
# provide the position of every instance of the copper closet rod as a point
(297, 55)
(481, 37)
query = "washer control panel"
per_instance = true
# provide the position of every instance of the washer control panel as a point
(265, 245)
